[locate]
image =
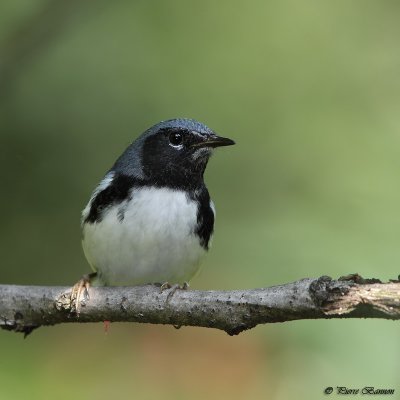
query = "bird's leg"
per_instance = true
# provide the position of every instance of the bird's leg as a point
(80, 292)
(176, 287)
(164, 286)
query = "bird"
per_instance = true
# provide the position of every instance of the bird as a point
(151, 218)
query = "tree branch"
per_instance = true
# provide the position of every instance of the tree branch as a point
(24, 308)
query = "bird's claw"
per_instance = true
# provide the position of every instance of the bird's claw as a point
(78, 296)
(174, 288)
(164, 286)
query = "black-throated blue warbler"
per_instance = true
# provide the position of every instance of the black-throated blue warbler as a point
(151, 219)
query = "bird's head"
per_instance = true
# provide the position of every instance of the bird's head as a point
(173, 152)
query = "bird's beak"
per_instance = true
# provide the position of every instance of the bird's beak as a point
(214, 141)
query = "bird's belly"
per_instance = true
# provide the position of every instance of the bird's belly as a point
(148, 239)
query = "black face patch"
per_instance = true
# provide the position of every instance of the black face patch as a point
(171, 164)
(115, 193)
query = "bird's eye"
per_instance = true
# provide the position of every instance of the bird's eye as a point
(175, 138)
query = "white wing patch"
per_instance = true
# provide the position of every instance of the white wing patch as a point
(106, 181)
(213, 208)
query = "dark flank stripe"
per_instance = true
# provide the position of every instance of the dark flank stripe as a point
(205, 216)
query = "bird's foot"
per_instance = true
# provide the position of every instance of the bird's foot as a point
(164, 286)
(174, 288)
(185, 286)
(78, 296)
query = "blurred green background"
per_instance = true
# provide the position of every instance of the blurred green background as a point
(309, 90)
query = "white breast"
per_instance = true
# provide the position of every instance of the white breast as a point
(154, 242)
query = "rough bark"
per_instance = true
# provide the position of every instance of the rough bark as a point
(25, 308)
